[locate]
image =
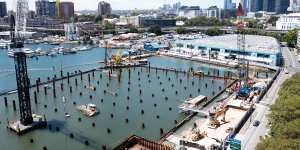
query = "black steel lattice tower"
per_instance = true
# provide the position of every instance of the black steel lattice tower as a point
(23, 84)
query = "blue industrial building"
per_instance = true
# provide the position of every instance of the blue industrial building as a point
(258, 49)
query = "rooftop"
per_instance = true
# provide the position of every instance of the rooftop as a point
(253, 43)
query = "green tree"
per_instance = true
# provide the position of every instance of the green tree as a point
(155, 29)
(109, 26)
(98, 19)
(291, 38)
(133, 30)
(284, 118)
(180, 30)
(213, 32)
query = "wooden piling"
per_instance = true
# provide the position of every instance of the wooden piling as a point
(5, 101)
(35, 97)
(14, 105)
(45, 90)
(37, 86)
(68, 77)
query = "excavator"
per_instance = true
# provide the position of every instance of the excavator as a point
(215, 113)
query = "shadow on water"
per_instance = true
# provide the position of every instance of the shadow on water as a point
(60, 126)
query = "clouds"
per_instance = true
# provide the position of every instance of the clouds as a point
(129, 4)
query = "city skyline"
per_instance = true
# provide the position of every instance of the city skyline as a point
(128, 4)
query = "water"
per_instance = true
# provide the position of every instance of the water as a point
(83, 130)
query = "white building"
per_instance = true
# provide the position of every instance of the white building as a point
(288, 22)
(129, 20)
(294, 6)
(71, 31)
(189, 12)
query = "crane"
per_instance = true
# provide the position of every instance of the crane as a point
(18, 24)
(58, 8)
(241, 41)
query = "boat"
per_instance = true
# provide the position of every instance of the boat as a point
(54, 43)
(67, 115)
(39, 52)
(52, 53)
(11, 53)
(66, 51)
(88, 109)
(28, 52)
(143, 61)
(84, 48)
(4, 44)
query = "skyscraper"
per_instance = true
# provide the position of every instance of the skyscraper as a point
(104, 9)
(269, 5)
(3, 9)
(255, 5)
(281, 6)
(294, 6)
(227, 4)
(42, 7)
(52, 9)
(67, 10)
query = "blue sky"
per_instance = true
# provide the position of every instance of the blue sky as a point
(129, 4)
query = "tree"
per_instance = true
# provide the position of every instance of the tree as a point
(272, 20)
(213, 32)
(109, 26)
(284, 118)
(291, 38)
(133, 30)
(180, 30)
(98, 19)
(155, 29)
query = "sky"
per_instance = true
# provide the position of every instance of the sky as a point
(128, 4)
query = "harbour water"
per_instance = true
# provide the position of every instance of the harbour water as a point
(147, 99)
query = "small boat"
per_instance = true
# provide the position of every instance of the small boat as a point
(28, 52)
(52, 53)
(54, 43)
(39, 52)
(11, 53)
(67, 115)
(84, 48)
(88, 110)
(143, 61)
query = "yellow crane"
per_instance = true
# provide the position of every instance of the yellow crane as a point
(58, 8)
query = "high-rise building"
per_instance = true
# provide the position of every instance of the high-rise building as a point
(281, 6)
(67, 10)
(42, 7)
(227, 4)
(269, 5)
(255, 5)
(104, 9)
(52, 9)
(294, 6)
(3, 9)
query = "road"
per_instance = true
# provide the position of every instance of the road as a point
(249, 134)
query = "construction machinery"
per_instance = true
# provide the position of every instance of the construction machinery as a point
(117, 58)
(215, 113)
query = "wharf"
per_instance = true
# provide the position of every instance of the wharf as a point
(203, 60)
